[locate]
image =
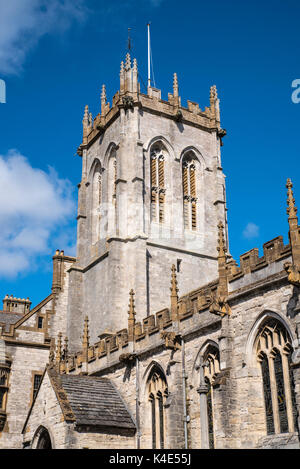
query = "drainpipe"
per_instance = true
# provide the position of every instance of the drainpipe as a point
(202, 391)
(185, 416)
(137, 402)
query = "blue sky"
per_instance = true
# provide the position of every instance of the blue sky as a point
(54, 57)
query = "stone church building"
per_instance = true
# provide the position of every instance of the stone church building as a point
(153, 336)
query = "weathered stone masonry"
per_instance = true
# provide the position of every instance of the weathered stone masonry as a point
(207, 353)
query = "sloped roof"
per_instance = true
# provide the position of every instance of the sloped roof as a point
(95, 402)
(7, 319)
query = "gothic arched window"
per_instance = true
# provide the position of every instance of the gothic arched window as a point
(157, 393)
(273, 348)
(211, 367)
(189, 177)
(158, 191)
(96, 203)
(112, 193)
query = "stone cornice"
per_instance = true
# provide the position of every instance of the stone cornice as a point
(280, 277)
(90, 265)
(191, 115)
(22, 343)
(183, 251)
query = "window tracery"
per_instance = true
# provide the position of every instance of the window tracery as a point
(211, 367)
(273, 348)
(96, 203)
(157, 392)
(189, 176)
(158, 190)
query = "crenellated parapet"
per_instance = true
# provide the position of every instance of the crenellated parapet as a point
(129, 96)
(161, 328)
(203, 307)
(273, 251)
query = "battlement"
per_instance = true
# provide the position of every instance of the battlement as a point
(274, 251)
(152, 328)
(129, 96)
(12, 304)
(161, 329)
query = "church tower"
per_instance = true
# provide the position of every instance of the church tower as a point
(151, 195)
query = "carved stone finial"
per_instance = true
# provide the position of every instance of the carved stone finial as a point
(85, 120)
(103, 99)
(174, 294)
(174, 288)
(222, 262)
(66, 350)
(294, 234)
(175, 85)
(222, 250)
(218, 300)
(213, 93)
(128, 62)
(85, 123)
(292, 209)
(52, 352)
(86, 337)
(59, 348)
(135, 87)
(103, 93)
(131, 316)
(131, 311)
(215, 106)
(135, 68)
(122, 78)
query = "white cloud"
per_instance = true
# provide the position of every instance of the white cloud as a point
(251, 231)
(34, 205)
(24, 22)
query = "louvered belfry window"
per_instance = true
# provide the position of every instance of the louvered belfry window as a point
(189, 193)
(158, 190)
(96, 203)
(274, 350)
(99, 188)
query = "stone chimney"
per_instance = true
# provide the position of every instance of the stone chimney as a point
(16, 305)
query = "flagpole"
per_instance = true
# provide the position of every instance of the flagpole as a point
(129, 40)
(149, 70)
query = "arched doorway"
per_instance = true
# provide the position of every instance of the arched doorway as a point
(44, 440)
